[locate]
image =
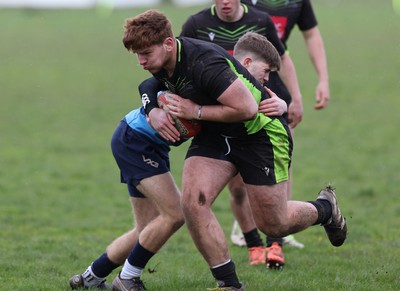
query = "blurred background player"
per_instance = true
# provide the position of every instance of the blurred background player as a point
(223, 24)
(286, 15)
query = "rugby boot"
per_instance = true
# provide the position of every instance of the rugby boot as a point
(336, 226)
(257, 255)
(275, 258)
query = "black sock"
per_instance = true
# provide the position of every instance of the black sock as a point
(271, 240)
(103, 266)
(226, 275)
(139, 256)
(253, 239)
(324, 210)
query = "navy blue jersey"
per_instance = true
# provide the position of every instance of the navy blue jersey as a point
(203, 71)
(287, 14)
(206, 25)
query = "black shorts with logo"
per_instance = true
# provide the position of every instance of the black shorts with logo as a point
(262, 158)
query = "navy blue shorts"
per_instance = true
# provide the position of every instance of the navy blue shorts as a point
(137, 157)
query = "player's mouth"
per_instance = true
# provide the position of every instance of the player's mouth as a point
(226, 10)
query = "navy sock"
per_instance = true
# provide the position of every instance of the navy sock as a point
(103, 266)
(324, 210)
(226, 275)
(253, 239)
(139, 256)
(271, 240)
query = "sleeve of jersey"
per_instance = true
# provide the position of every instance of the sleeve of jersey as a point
(272, 36)
(148, 90)
(307, 19)
(215, 75)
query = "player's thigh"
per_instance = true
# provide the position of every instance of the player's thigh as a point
(205, 176)
(162, 191)
(269, 203)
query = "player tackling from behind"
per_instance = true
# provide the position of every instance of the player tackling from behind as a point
(234, 138)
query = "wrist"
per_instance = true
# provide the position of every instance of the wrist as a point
(199, 112)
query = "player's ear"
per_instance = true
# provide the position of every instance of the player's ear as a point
(169, 43)
(247, 62)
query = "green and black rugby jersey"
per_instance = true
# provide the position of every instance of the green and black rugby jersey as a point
(286, 14)
(206, 25)
(202, 73)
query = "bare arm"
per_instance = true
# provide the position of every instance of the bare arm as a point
(288, 75)
(316, 50)
(237, 104)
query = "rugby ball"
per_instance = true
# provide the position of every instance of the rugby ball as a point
(187, 128)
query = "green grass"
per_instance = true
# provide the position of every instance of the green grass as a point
(65, 82)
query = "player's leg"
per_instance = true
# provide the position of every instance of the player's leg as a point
(127, 148)
(120, 248)
(276, 85)
(242, 211)
(290, 239)
(203, 179)
(117, 252)
(277, 217)
(164, 195)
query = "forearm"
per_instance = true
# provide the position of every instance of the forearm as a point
(236, 104)
(220, 113)
(148, 90)
(316, 51)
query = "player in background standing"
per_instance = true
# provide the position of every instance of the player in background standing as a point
(223, 24)
(286, 15)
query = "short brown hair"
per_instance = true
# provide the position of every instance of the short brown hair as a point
(146, 29)
(260, 47)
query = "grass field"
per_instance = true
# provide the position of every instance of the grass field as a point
(66, 81)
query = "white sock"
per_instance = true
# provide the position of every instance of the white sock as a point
(216, 266)
(129, 271)
(90, 279)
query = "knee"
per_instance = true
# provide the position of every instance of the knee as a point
(238, 194)
(177, 222)
(238, 191)
(196, 199)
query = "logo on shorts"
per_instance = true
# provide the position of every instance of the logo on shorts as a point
(150, 162)
(266, 170)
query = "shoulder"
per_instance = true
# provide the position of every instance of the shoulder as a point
(251, 10)
(192, 46)
(257, 14)
(205, 13)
